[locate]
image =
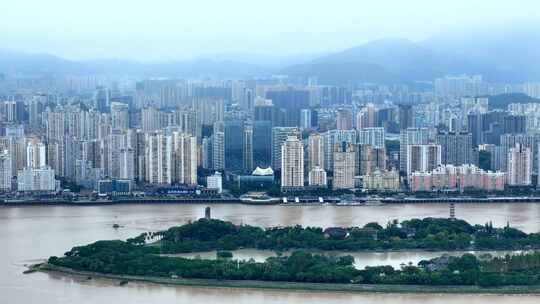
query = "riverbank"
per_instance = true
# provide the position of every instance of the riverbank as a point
(106, 202)
(360, 201)
(322, 287)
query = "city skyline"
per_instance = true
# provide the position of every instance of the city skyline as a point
(283, 151)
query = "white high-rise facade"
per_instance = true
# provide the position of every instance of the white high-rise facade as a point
(315, 151)
(215, 181)
(171, 158)
(218, 146)
(185, 158)
(151, 119)
(127, 164)
(279, 136)
(36, 179)
(114, 144)
(344, 166)
(292, 163)
(317, 177)
(520, 166)
(5, 171)
(159, 159)
(36, 155)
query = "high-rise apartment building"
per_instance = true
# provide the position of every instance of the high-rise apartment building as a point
(456, 148)
(369, 159)
(159, 158)
(509, 141)
(206, 153)
(292, 163)
(102, 99)
(262, 143)
(315, 151)
(151, 119)
(119, 116)
(515, 124)
(5, 171)
(291, 101)
(344, 119)
(127, 164)
(344, 166)
(32, 179)
(188, 123)
(423, 158)
(279, 136)
(209, 110)
(520, 166)
(247, 148)
(406, 116)
(366, 117)
(234, 131)
(36, 154)
(185, 158)
(305, 119)
(317, 177)
(374, 137)
(333, 137)
(218, 146)
(410, 136)
(35, 110)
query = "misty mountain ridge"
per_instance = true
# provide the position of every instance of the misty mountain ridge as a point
(507, 56)
(500, 56)
(22, 64)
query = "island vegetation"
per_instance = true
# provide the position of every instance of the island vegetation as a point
(426, 234)
(138, 257)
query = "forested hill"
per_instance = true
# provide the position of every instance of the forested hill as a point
(502, 101)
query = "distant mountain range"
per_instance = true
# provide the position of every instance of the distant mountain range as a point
(503, 56)
(22, 64)
(506, 55)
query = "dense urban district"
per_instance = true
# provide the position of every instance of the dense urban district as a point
(146, 256)
(92, 139)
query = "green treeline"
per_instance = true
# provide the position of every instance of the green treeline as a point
(121, 258)
(139, 258)
(116, 257)
(427, 234)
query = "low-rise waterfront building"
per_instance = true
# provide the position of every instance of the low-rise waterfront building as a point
(452, 178)
(215, 181)
(381, 180)
(36, 179)
(317, 177)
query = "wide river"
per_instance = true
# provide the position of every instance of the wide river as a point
(29, 234)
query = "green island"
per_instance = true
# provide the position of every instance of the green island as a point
(143, 258)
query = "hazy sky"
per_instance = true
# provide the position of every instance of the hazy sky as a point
(168, 29)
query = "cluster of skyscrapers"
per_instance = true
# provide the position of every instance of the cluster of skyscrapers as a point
(180, 133)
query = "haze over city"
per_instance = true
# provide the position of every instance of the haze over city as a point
(270, 151)
(174, 30)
